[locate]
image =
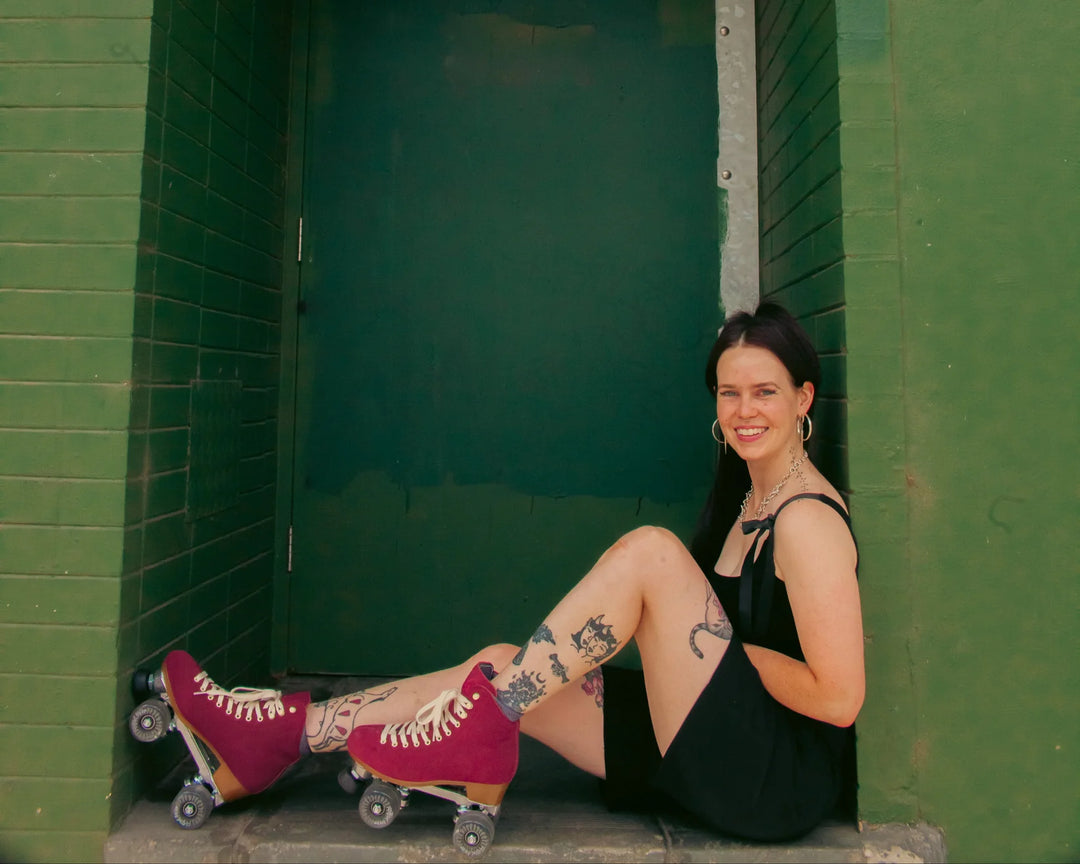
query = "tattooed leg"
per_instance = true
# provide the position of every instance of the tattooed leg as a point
(593, 684)
(523, 690)
(716, 622)
(329, 723)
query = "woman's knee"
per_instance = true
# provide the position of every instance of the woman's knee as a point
(651, 542)
(498, 655)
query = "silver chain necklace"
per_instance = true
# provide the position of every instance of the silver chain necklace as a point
(775, 490)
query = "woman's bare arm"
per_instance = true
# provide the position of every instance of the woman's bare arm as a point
(816, 558)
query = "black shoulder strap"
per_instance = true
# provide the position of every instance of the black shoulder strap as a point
(758, 574)
(817, 496)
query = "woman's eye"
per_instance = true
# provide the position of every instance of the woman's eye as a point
(726, 394)
(766, 392)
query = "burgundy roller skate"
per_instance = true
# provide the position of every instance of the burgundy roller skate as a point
(461, 747)
(242, 740)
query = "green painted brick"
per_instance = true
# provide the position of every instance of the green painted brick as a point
(70, 173)
(66, 313)
(83, 40)
(190, 73)
(45, 501)
(164, 582)
(55, 549)
(38, 649)
(54, 804)
(181, 237)
(181, 280)
(168, 450)
(60, 129)
(57, 751)
(165, 538)
(187, 30)
(166, 493)
(184, 153)
(59, 600)
(64, 406)
(871, 232)
(176, 321)
(76, 220)
(74, 85)
(182, 195)
(164, 625)
(169, 406)
(865, 17)
(185, 112)
(78, 8)
(60, 698)
(868, 144)
(55, 846)
(68, 266)
(862, 100)
(174, 364)
(37, 359)
(48, 453)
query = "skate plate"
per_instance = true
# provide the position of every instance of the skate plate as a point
(382, 801)
(152, 720)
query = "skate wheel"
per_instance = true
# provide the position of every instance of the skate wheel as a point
(473, 833)
(380, 804)
(192, 806)
(150, 721)
(348, 781)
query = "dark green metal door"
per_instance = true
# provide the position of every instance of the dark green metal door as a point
(509, 284)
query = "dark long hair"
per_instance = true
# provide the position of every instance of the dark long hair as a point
(775, 329)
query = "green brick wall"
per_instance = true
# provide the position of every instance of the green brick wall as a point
(72, 94)
(142, 174)
(202, 462)
(799, 191)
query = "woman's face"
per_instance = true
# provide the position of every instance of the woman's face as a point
(757, 403)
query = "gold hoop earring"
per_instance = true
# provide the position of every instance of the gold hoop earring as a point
(720, 439)
(805, 429)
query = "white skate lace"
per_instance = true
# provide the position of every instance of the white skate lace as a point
(432, 722)
(247, 701)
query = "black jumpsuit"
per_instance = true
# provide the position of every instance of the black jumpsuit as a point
(741, 762)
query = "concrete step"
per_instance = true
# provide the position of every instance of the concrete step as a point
(552, 813)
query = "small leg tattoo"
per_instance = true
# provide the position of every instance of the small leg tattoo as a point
(338, 717)
(557, 668)
(595, 641)
(716, 622)
(593, 684)
(522, 692)
(520, 656)
(542, 634)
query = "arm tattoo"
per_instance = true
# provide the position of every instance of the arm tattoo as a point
(593, 684)
(338, 717)
(595, 641)
(557, 668)
(522, 692)
(716, 621)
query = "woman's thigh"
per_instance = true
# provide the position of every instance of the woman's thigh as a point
(683, 633)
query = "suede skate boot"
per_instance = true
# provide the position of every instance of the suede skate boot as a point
(462, 738)
(254, 734)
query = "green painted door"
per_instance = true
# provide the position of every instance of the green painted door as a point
(509, 287)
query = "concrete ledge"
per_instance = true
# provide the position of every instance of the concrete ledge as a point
(552, 813)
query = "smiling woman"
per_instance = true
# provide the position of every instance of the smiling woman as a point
(750, 645)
